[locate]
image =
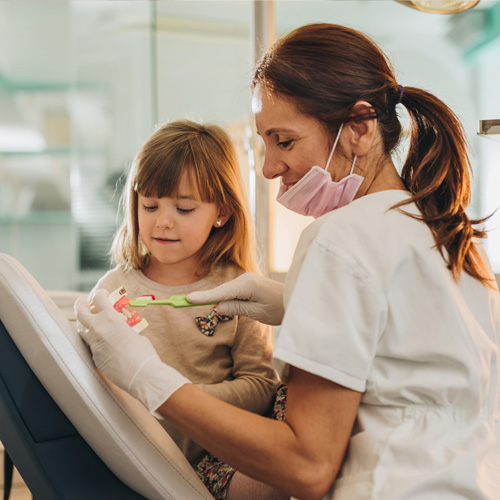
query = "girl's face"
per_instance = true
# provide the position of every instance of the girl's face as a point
(174, 230)
(294, 142)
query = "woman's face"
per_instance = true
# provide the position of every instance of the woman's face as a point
(294, 142)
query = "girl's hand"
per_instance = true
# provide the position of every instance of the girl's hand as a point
(126, 358)
(249, 295)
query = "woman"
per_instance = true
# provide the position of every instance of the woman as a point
(390, 314)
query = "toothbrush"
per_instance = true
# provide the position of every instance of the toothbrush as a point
(174, 301)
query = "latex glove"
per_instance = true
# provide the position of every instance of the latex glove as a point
(249, 295)
(126, 358)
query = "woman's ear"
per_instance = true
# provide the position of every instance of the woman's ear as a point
(222, 217)
(361, 133)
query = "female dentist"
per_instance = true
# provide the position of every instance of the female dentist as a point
(390, 313)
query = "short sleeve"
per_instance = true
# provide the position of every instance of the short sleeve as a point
(334, 318)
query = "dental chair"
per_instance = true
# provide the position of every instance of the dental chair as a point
(72, 434)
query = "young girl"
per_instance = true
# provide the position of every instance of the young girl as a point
(187, 228)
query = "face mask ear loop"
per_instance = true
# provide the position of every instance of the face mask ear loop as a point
(353, 163)
(334, 146)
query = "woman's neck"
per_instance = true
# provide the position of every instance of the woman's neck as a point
(381, 177)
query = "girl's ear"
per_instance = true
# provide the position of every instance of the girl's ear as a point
(222, 217)
(362, 133)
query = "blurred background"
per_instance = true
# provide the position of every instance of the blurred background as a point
(84, 83)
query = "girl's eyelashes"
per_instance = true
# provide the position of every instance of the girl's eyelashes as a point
(148, 204)
(152, 208)
(151, 205)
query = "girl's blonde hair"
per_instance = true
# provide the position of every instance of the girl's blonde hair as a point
(205, 152)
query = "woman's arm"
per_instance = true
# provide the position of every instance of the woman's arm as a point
(300, 456)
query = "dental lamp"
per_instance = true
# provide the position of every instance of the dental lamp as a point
(440, 6)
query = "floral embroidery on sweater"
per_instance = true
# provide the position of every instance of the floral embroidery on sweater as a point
(207, 324)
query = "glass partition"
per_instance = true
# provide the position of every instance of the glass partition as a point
(82, 84)
(35, 139)
(112, 107)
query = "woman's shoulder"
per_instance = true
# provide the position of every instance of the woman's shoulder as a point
(369, 233)
(370, 220)
(368, 208)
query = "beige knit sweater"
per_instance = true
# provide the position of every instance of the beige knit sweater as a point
(234, 364)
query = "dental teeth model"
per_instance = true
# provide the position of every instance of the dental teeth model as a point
(120, 303)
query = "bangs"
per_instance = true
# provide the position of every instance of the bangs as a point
(159, 173)
(204, 177)
(159, 176)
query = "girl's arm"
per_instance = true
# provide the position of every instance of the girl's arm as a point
(300, 456)
(255, 380)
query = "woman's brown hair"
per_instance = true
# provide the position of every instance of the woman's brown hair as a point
(206, 153)
(325, 69)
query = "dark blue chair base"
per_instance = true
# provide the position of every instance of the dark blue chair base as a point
(53, 459)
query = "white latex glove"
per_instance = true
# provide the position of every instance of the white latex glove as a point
(128, 359)
(249, 295)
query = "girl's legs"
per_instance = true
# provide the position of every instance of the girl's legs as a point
(242, 487)
(224, 483)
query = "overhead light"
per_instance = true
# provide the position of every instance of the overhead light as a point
(440, 6)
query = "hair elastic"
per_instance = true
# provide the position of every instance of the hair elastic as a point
(401, 92)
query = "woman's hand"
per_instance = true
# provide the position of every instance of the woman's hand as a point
(249, 295)
(126, 358)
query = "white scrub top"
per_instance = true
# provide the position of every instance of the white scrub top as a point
(371, 305)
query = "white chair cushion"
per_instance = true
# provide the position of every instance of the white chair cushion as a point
(126, 437)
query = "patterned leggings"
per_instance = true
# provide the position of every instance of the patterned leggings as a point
(215, 474)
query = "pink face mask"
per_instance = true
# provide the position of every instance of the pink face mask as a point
(316, 194)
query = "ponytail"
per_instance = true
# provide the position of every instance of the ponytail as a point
(437, 174)
(326, 69)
